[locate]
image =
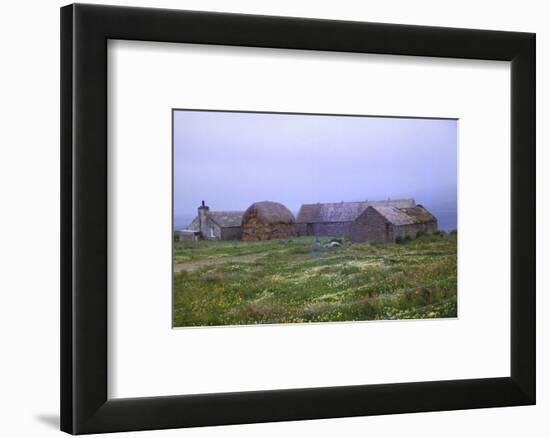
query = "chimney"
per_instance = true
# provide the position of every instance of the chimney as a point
(203, 220)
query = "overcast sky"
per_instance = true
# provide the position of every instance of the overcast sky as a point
(234, 159)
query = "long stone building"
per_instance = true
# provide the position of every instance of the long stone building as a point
(336, 218)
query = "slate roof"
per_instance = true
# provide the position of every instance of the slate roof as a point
(419, 214)
(395, 215)
(344, 211)
(405, 216)
(193, 226)
(224, 219)
(227, 218)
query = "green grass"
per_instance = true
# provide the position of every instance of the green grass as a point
(235, 283)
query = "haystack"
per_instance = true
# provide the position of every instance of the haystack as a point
(268, 220)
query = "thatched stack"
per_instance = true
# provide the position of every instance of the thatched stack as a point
(268, 220)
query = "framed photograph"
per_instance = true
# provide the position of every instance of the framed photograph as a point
(269, 219)
(279, 260)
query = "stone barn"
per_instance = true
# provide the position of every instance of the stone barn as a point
(384, 224)
(214, 225)
(336, 218)
(268, 220)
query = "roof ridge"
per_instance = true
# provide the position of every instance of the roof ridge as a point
(226, 211)
(360, 202)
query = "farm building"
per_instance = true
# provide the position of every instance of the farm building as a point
(335, 218)
(213, 225)
(268, 220)
(385, 224)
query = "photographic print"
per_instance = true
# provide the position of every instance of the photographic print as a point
(312, 218)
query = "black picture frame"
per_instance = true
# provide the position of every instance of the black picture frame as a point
(85, 407)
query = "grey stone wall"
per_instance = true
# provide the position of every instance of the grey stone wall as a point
(371, 226)
(210, 230)
(231, 233)
(336, 229)
(204, 221)
(412, 230)
(406, 230)
(301, 229)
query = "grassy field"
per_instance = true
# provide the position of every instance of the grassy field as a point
(235, 283)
